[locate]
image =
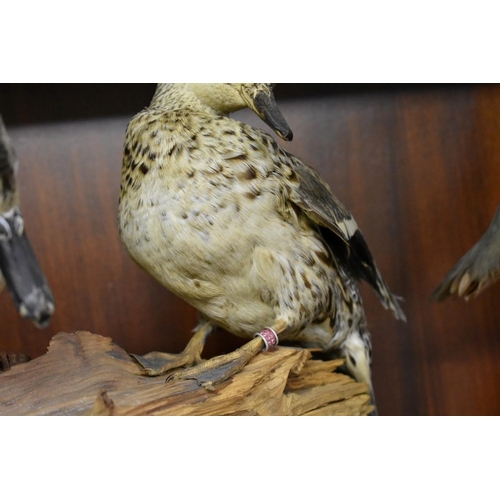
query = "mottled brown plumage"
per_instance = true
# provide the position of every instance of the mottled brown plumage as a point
(248, 234)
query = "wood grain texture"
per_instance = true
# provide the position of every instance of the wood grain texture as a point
(420, 170)
(86, 374)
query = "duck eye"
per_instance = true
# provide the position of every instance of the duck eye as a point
(5, 230)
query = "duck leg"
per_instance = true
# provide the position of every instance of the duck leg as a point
(218, 369)
(156, 363)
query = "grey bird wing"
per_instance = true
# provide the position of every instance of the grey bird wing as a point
(339, 229)
(477, 269)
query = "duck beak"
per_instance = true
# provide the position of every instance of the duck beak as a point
(264, 104)
(25, 280)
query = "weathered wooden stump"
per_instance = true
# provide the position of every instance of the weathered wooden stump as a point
(86, 374)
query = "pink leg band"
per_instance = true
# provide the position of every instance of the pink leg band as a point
(269, 336)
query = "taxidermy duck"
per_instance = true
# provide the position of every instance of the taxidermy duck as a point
(477, 269)
(19, 268)
(220, 214)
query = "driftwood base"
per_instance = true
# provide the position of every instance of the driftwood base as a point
(86, 374)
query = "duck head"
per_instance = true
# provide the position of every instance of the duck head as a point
(230, 97)
(259, 98)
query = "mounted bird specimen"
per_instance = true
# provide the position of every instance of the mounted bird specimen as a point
(219, 213)
(19, 268)
(477, 269)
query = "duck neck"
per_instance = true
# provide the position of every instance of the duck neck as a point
(175, 96)
(9, 195)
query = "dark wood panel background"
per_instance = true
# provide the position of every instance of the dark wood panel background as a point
(418, 165)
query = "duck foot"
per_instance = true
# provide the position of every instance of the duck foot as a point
(157, 363)
(218, 369)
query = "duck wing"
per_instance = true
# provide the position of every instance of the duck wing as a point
(19, 266)
(477, 269)
(339, 229)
